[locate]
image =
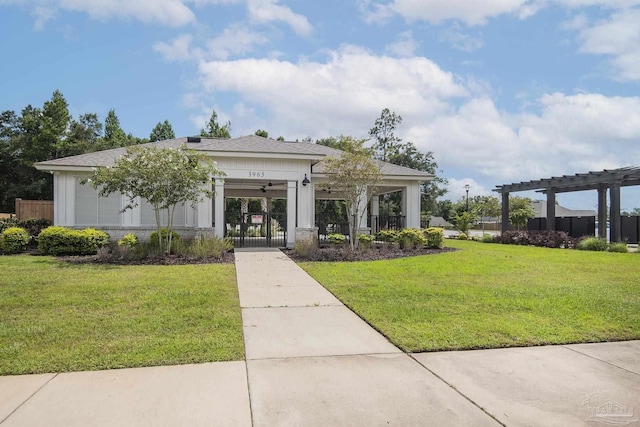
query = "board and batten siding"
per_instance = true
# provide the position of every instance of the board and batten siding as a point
(91, 209)
(148, 216)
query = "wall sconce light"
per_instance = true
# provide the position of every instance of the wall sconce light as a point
(305, 181)
(264, 190)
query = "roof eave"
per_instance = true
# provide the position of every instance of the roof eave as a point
(64, 168)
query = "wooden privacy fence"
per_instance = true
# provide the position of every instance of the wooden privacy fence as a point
(38, 209)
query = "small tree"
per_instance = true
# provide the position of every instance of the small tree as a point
(213, 128)
(464, 220)
(165, 177)
(520, 210)
(161, 132)
(353, 175)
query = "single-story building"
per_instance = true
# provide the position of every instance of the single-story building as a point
(255, 167)
(540, 209)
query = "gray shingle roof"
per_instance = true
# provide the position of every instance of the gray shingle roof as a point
(244, 144)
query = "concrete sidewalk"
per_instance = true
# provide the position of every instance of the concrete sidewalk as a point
(310, 361)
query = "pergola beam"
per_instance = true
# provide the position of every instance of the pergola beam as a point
(612, 180)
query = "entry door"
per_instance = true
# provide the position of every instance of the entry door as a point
(261, 230)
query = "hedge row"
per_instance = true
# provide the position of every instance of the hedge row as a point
(64, 241)
(33, 226)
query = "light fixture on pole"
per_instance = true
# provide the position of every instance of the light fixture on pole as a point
(467, 187)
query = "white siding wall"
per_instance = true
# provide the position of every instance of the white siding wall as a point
(92, 210)
(148, 216)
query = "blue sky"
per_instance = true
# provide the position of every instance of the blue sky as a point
(500, 90)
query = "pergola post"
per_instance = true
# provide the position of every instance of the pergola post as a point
(551, 210)
(615, 232)
(602, 211)
(505, 211)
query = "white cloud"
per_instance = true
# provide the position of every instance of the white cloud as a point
(456, 190)
(473, 13)
(266, 11)
(166, 12)
(179, 49)
(460, 40)
(619, 38)
(437, 11)
(42, 14)
(405, 46)
(236, 39)
(576, 133)
(344, 94)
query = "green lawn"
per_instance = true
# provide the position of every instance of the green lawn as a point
(57, 317)
(491, 295)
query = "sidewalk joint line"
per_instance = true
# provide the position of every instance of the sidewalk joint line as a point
(395, 353)
(29, 398)
(457, 390)
(599, 360)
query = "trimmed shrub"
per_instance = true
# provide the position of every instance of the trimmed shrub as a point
(14, 240)
(336, 238)
(487, 238)
(33, 226)
(619, 247)
(462, 236)
(434, 237)
(96, 237)
(366, 240)
(64, 241)
(8, 223)
(154, 243)
(153, 237)
(128, 240)
(546, 239)
(411, 238)
(388, 236)
(592, 244)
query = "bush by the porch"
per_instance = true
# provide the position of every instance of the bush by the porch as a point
(14, 240)
(57, 240)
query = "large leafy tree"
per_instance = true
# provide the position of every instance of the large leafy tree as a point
(114, 136)
(520, 210)
(165, 177)
(383, 133)
(162, 131)
(9, 166)
(353, 175)
(84, 135)
(213, 128)
(388, 147)
(55, 124)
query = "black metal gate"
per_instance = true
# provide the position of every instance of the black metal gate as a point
(260, 230)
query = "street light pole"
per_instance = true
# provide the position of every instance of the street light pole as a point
(467, 187)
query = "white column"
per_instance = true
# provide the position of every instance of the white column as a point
(219, 208)
(375, 205)
(362, 212)
(59, 199)
(375, 213)
(305, 206)
(411, 204)
(292, 203)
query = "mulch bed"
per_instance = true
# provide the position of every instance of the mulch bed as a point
(322, 254)
(343, 253)
(227, 258)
